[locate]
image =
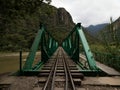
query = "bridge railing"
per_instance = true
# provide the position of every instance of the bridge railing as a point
(48, 46)
(108, 59)
(72, 45)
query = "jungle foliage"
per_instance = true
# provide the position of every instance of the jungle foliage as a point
(20, 20)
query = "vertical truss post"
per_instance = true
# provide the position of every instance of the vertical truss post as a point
(44, 54)
(75, 55)
(20, 61)
(50, 43)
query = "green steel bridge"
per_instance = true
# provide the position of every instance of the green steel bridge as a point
(74, 44)
(63, 66)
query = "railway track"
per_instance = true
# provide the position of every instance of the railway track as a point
(59, 73)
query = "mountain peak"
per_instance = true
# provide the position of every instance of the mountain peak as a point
(93, 29)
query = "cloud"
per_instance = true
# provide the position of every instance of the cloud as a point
(90, 11)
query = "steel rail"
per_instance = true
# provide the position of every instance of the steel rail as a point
(50, 75)
(54, 74)
(51, 78)
(69, 74)
(66, 75)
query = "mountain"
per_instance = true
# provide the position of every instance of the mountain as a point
(94, 29)
(20, 20)
(90, 38)
(110, 37)
(111, 32)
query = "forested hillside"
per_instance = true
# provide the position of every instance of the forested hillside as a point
(20, 19)
(110, 36)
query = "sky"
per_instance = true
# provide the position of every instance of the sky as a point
(90, 12)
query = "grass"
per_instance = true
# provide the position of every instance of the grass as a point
(101, 48)
(9, 62)
(107, 56)
(97, 47)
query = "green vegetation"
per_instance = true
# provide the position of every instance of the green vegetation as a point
(107, 39)
(20, 20)
(110, 37)
(97, 47)
(108, 59)
(107, 50)
(102, 55)
(18, 24)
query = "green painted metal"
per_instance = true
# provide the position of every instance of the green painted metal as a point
(87, 50)
(48, 46)
(71, 45)
(31, 56)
